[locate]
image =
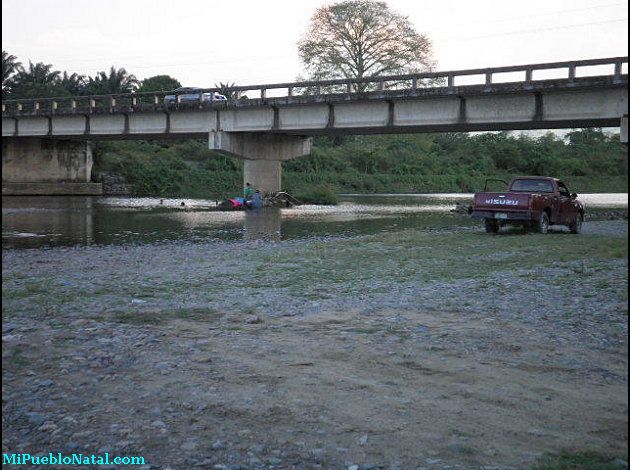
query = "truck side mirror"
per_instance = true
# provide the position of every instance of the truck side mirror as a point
(574, 196)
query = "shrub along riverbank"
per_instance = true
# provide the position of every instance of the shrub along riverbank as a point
(587, 160)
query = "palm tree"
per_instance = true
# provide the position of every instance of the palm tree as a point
(9, 66)
(74, 83)
(37, 81)
(39, 73)
(226, 89)
(116, 82)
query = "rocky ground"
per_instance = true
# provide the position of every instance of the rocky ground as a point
(434, 349)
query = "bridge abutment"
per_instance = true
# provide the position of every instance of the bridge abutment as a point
(263, 154)
(40, 166)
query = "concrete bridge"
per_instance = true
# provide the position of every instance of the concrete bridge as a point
(46, 141)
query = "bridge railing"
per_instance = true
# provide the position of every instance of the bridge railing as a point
(314, 90)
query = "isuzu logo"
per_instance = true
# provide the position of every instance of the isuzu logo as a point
(502, 202)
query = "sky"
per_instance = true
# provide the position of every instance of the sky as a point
(202, 43)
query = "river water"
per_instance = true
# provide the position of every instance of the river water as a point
(40, 222)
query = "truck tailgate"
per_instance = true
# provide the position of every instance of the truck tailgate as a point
(501, 201)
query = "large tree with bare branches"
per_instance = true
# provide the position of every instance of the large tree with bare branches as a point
(362, 38)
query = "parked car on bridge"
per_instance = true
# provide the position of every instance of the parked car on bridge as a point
(530, 201)
(193, 95)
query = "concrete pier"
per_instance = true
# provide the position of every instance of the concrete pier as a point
(263, 154)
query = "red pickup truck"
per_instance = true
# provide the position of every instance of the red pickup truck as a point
(530, 201)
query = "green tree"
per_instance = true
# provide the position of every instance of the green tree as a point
(9, 67)
(226, 89)
(73, 83)
(117, 81)
(362, 38)
(37, 81)
(159, 83)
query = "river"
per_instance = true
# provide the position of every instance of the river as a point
(40, 222)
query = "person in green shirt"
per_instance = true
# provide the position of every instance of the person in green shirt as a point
(248, 192)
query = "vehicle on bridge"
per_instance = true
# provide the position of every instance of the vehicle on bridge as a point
(192, 95)
(530, 201)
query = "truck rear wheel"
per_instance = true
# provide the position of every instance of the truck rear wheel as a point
(543, 223)
(492, 226)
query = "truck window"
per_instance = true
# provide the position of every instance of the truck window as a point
(532, 186)
(564, 191)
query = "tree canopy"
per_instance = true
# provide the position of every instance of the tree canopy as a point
(362, 38)
(73, 83)
(36, 81)
(116, 81)
(159, 83)
(9, 67)
(40, 80)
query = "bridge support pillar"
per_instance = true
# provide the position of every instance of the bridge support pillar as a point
(263, 154)
(32, 165)
(265, 175)
(624, 130)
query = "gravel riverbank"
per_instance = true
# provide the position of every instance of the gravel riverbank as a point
(418, 349)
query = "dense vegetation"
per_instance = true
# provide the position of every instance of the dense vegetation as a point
(588, 160)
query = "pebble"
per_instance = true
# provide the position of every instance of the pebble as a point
(36, 419)
(218, 445)
(460, 448)
(72, 446)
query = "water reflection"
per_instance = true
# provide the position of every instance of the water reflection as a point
(36, 221)
(263, 224)
(30, 222)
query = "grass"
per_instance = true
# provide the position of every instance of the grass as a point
(159, 317)
(447, 256)
(29, 289)
(15, 359)
(198, 314)
(318, 194)
(138, 318)
(578, 461)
